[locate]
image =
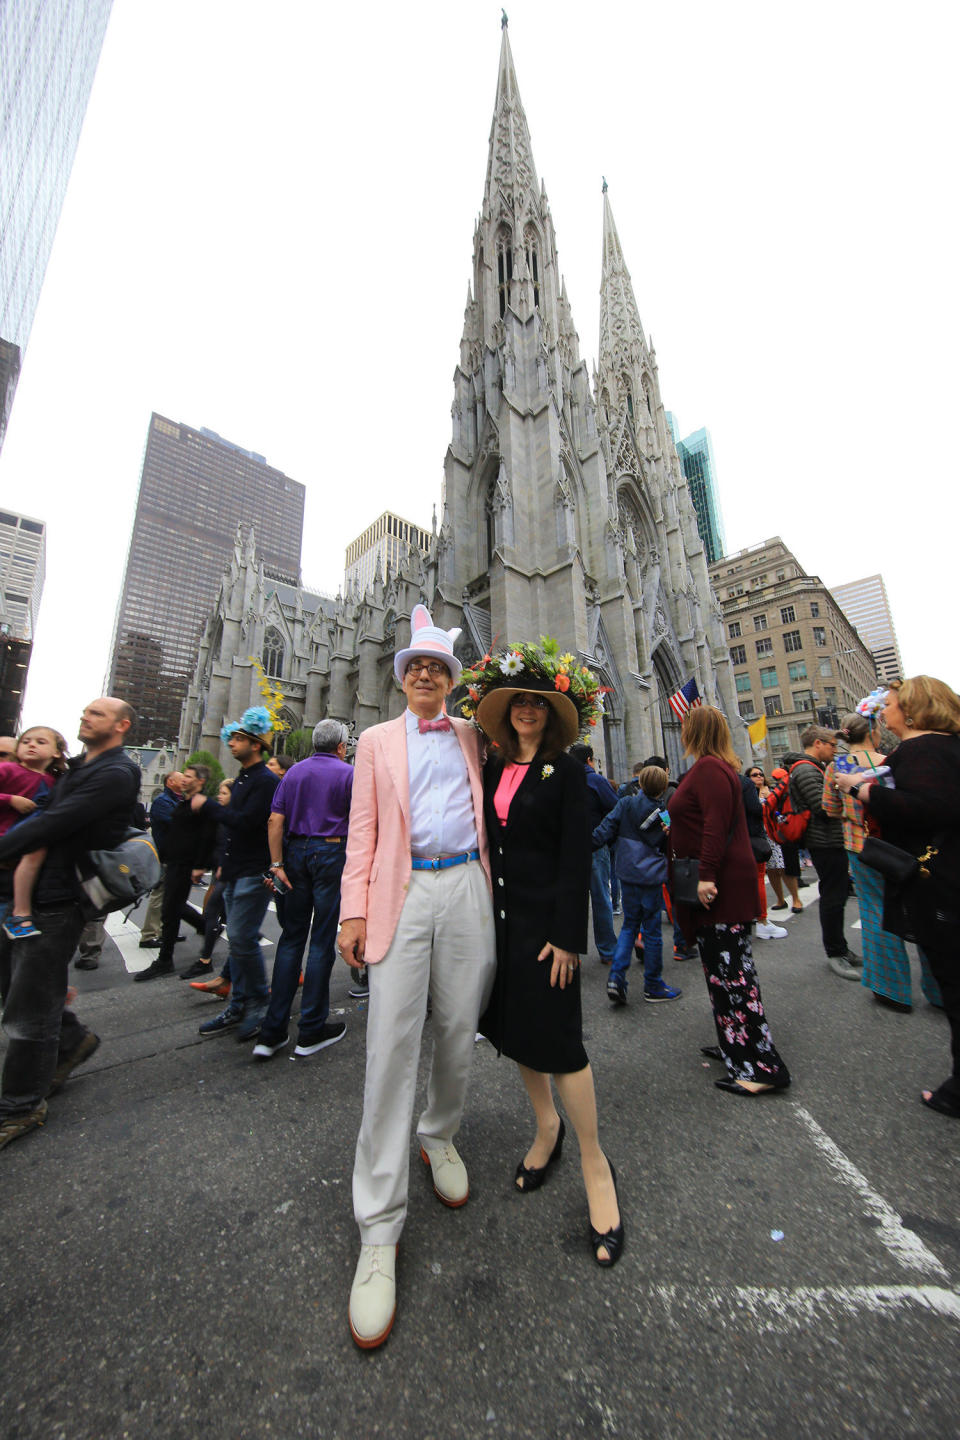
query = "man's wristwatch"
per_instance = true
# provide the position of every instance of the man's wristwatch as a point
(277, 865)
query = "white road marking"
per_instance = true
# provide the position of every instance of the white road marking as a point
(126, 936)
(774, 1309)
(903, 1244)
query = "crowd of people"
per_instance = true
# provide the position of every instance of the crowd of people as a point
(454, 865)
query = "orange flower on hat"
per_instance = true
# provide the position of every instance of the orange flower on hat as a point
(562, 683)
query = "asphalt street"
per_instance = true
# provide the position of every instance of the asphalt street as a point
(179, 1242)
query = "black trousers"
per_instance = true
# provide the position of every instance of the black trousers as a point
(177, 881)
(33, 983)
(946, 971)
(831, 866)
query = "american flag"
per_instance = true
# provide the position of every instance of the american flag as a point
(686, 698)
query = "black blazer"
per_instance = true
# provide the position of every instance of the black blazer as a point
(541, 859)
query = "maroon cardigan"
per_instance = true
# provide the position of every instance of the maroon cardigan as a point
(707, 803)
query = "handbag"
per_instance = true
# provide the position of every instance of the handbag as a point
(894, 864)
(686, 875)
(761, 847)
(686, 878)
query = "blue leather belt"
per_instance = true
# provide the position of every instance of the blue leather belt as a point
(444, 862)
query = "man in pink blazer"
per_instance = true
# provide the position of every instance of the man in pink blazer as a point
(416, 908)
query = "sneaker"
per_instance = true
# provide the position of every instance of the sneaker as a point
(360, 988)
(852, 958)
(267, 1052)
(838, 964)
(155, 969)
(152, 944)
(197, 970)
(20, 927)
(253, 1017)
(661, 992)
(226, 1020)
(616, 992)
(327, 1035)
(17, 1125)
(82, 1053)
(679, 953)
(768, 931)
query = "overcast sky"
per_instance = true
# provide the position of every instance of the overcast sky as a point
(269, 232)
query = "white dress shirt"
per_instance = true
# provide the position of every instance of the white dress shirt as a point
(442, 820)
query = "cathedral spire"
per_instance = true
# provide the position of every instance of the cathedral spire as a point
(622, 343)
(511, 173)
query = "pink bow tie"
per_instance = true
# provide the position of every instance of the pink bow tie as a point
(424, 726)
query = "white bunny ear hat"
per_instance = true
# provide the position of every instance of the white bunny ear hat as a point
(429, 642)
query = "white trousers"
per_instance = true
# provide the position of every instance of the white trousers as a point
(444, 945)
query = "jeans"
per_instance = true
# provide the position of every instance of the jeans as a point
(641, 912)
(831, 867)
(603, 933)
(246, 899)
(213, 918)
(313, 867)
(33, 983)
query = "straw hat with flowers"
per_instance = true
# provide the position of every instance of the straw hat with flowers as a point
(572, 690)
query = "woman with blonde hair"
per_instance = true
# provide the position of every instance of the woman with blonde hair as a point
(708, 823)
(921, 816)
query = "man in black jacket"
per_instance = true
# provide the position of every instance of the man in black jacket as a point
(90, 809)
(824, 840)
(246, 859)
(188, 851)
(160, 814)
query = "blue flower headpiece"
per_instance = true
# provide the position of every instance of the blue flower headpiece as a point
(254, 722)
(871, 705)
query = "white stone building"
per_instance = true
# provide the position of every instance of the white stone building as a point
(564, 510)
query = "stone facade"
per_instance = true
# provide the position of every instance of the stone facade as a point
(564, 510)
(796, 657)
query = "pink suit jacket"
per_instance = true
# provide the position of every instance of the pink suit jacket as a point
(377, 871)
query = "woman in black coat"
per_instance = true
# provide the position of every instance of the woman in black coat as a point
(536, 811)
(922, 816)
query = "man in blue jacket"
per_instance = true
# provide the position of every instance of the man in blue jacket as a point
(90, 809)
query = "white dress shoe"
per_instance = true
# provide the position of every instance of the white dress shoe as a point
(769, 931)
(373, 1295)
(450, 1183)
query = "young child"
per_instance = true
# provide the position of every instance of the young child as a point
(25, 784)
(638, 824)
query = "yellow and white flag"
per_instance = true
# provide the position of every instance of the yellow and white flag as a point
(758, 735)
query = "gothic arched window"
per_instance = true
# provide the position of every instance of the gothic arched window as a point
(532, 248)
(504, 269)
(273, 651)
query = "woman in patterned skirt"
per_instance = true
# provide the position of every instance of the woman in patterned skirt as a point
(708, 821)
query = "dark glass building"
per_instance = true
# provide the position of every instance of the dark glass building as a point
(48, 56)
(195, 489)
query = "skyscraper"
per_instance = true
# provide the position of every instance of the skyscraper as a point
(195, 490)
(22, 570)
(48, 56)
(700, 468)
(383, 544)
(865, 604)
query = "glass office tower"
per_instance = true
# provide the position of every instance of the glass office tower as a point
(195, 489)
(700, 468)
(48, 56)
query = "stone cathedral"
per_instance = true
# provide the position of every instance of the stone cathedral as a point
(564, 511)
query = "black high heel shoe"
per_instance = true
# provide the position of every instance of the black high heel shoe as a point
(612, 1241)
(533, 1176)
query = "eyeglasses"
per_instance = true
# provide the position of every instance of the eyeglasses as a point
(537, 701)
(432, 667)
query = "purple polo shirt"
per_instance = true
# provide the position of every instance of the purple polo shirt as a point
(314, 796)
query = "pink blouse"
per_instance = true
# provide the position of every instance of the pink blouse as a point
(510, 782)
